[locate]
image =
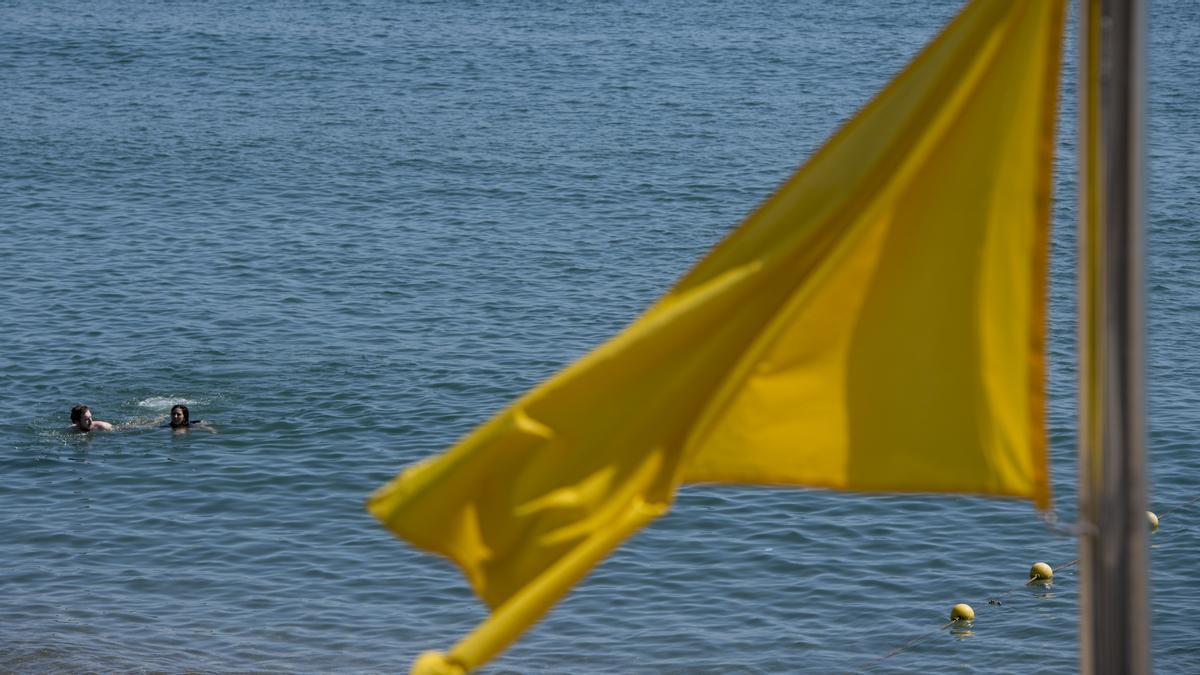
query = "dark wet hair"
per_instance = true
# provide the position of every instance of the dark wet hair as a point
(185, 414)
(77, 413)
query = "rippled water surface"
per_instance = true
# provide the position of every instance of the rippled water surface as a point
(345, 233)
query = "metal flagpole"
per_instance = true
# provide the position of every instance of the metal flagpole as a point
(1114, 609)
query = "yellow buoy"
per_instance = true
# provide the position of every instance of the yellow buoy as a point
(1153, 521)
(1041, 572)
(962, 612)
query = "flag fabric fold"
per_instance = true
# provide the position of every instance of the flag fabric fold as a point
(877, 325)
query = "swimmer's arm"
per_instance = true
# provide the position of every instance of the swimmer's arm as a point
(102, 426)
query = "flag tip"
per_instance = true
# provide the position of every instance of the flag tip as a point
(436, 663)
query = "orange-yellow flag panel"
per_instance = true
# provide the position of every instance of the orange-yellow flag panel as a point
(876, 325)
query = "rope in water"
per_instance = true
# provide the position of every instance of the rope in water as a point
(998, 599)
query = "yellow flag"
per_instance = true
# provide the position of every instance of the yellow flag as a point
(876, 325)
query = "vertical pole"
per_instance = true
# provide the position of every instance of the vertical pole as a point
(1114, 609)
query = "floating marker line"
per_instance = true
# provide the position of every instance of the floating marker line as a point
(1052, 523)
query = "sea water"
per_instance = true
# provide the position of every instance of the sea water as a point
(346, 233)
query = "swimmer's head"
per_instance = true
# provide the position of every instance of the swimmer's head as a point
(179, 416)
(81, 416)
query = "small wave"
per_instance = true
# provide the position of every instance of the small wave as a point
(164, 403)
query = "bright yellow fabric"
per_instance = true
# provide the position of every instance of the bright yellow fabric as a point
(876, 325)
(898, 317)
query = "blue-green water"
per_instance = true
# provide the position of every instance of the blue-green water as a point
(346, 233)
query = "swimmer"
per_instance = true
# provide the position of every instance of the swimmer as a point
(180, 419)
(82, 422)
